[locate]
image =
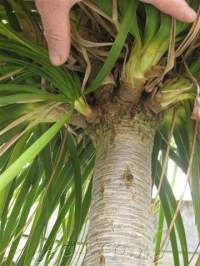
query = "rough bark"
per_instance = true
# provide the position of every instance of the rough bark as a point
(120, 231)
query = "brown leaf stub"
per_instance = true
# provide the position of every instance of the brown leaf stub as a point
(102, 261)
(129, 178)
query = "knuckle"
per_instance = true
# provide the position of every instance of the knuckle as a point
(54, 36)
(43, 4)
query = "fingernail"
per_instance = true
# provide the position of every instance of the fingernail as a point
(55, 59)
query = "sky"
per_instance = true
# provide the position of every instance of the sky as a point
(179, 183)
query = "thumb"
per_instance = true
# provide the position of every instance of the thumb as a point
(176, 8)
(55, 19)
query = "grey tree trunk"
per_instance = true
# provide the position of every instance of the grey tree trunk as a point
(120, 231)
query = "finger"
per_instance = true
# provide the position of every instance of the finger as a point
(55, 19)
(176, 8)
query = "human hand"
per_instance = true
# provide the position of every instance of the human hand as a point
(176, 8)
(55, 19)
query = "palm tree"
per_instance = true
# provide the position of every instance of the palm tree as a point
(96, 133)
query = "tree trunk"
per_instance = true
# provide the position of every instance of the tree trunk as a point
(120, 231)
